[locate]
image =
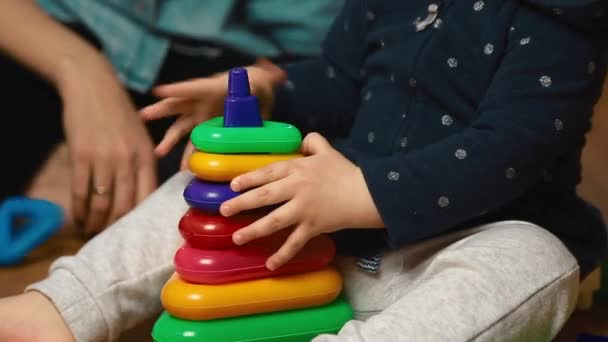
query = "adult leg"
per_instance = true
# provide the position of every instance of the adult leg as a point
(114, 281)
(510, 281)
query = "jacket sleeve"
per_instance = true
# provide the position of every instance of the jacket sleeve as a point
(321, 94)
(296, 27)
(536, 109)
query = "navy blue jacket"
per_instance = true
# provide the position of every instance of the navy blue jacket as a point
(458, 112)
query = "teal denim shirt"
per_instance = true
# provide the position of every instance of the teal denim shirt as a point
(136, 34)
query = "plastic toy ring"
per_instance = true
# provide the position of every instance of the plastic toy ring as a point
(274, 137)
(223, 168)
(287, 326)
(208, 196)
(203, 302)
(220, 266)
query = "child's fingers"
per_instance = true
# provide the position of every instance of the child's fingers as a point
(269, 194)
(195, 88)
(181, 127)
(267, 174)
(315, 143)
(188, 151)
(294, 243)
(278, 219)
(276, 74)
(167, 107)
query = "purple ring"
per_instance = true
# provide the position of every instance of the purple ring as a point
(208, 196)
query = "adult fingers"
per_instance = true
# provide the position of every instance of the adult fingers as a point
(146, 179)
(81, 180)
(124, 188)
(101, 194)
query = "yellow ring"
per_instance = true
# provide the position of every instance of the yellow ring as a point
(225, 167)
(203, 302)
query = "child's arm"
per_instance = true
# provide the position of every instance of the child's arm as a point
(321, 95)
(96, 110)
(323, 193)
(536, 109)
(316, 94)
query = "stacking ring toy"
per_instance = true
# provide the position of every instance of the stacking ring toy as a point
(291, 326)
(202, 230)
(208, 196)
(204, 302)
(241, 129)
(217, 266)
(224, 168)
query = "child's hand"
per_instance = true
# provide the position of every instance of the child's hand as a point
(31, 317)
(201, 99)
(323, 192)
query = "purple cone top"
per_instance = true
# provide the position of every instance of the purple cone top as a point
(241, 109)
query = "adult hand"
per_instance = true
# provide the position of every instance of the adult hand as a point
(322, 193)
(113, 164)
(201, 99)
(31, 317)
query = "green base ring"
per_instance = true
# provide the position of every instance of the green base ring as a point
(287, 326)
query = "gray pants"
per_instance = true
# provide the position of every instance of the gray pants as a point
(507, 281)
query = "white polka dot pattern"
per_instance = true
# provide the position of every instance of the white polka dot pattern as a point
(393, 176)
(546, 81)
(460, 153)
(510, 173)
(446, 120)
(559, 124)
(453, 62)
(591, 67)
(488, 49)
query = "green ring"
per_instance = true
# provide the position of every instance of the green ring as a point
(287, 326)
(275, 137)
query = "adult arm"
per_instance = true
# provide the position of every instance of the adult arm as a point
(109, 146)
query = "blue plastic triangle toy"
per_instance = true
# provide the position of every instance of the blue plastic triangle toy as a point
(25, 224)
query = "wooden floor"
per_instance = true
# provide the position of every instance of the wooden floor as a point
(54, 180)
